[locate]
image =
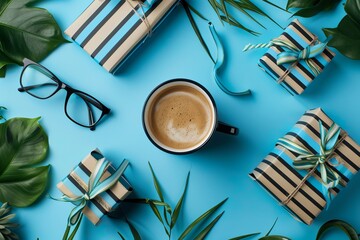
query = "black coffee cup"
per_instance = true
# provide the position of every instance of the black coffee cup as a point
(180, 116)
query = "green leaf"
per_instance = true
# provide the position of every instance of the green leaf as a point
(158, 215)
(178, 206)
(345, 38)
(156, 183)
(26, 32)
(274, 237)
(122, 237)
(133, 230)
(352, 8)
(311, 8)
(343, 226)
(244, 236)
(24, 144)
(202, 235)
(201, 218)
(196, 29)
(272, 227)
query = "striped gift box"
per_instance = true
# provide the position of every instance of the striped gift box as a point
(75, 184)
(300, 75)
(277, 175)
(111, 30)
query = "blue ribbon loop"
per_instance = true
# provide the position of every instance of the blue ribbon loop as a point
(220, 56)
(329, 141)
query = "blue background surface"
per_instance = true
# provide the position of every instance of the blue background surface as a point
(220, 169)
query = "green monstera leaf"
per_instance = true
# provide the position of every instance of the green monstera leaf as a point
(309, 8)
(346, 36)
(26, 31)
(23, 144)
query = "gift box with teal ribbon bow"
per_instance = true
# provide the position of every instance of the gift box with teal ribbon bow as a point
(94, 187)
(295, 58)
(111, 30)
(309, 166)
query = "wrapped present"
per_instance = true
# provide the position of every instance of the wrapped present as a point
(111, 30)
(95, 187)
(309, 166)
(295, 58)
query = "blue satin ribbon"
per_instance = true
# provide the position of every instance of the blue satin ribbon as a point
(95, 188)
(219, 62)
(149, 3)
(307, 160)
(294, 54)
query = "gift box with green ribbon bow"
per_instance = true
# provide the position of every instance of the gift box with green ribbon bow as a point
(95, 187)
(111, 30)
(295, 58)
(309, 166)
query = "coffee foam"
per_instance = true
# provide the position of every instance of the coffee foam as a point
(180, 117)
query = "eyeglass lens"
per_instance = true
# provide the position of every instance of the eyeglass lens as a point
(38, 81)
(83, 109)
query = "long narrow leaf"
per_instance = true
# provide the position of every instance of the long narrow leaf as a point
(178, 206)
(208, 228)
(268, 233)
(197, 31)
(158, 215)
(194, 10)
(156, 183)
(214, 6)
(244, 236)
(122, 237)
(277, 6)
(133, 230)
(201, 218)
(147, 201)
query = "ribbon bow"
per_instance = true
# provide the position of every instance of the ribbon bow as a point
(310, 161)
(293, 54)
(95, 188)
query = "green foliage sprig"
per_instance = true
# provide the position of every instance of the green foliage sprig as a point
(24, 144)
(309, 8)
(26, 31)
(6, 224)
(168, 216)
(221, 8)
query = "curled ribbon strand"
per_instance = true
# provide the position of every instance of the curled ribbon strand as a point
(329, 141)
(95, 188)
(219, 62)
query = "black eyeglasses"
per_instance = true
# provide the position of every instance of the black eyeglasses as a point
(80, 107)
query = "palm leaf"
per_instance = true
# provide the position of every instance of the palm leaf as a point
(208, 228)
(178, 206)
(196, 29)
(201, 218)
(133, 230)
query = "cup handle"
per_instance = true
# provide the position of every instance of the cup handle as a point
(226, 128)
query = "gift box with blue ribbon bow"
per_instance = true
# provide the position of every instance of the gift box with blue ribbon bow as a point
(309, 166)
(295, 58)
(111, 30)
(94, 187)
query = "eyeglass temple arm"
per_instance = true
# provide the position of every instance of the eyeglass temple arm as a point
(90, 100)
(91, 116)
(27, 88)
